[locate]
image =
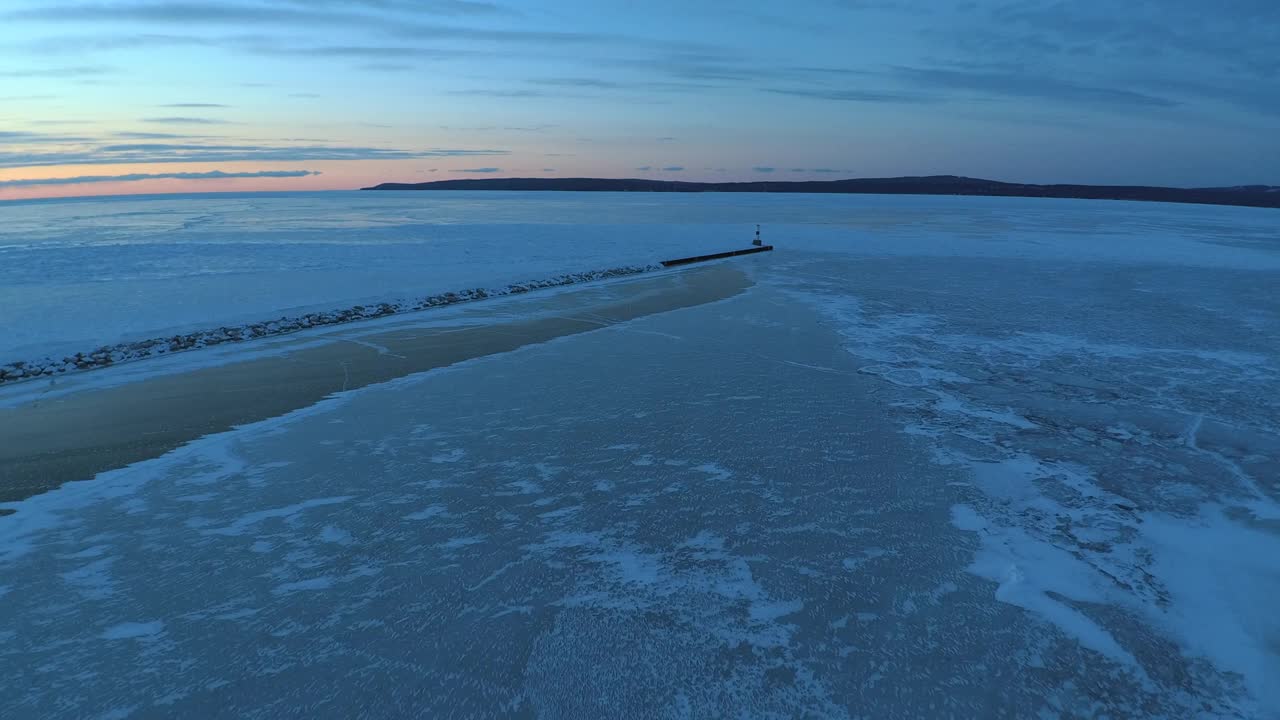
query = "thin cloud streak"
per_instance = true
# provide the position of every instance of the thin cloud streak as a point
(361, 51)
(863, 96)
(192, 12)
(26, 137)
(135, 177)
(143, 153)
(184, 121)
(386, 67)
(132, 135)
(59, 72)
(1027, 86)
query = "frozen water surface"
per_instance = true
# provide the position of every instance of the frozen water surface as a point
(946, 458)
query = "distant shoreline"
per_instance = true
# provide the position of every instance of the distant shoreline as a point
(1244, 196)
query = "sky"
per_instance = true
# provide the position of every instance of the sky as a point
(148, 96)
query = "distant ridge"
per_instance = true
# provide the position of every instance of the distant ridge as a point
(1246, 195)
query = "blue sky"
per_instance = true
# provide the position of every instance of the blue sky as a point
(163, 95)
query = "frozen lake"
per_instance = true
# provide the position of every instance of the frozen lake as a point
(76, 274)
(945, 457)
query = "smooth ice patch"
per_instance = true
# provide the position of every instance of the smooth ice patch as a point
(133, 630)
(317, 583)
(428, 512)
(335, 534)
(460, 542)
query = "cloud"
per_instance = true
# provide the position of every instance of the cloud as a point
(548, 169)
(59, 72)
(130, 135)
(578, 83)
(666, 139)
(435, 7)
(500, 93)
(306, 95)
(645, 168)
(212, 175)
(478, 170)
(1154, 53)
(824, 170)
(397, 18)
(548, 38)
(193, 105)
(360, 51)
(497, 128)
(16, 135)
(798, 170)
(386, 67)
(178, 11)
(699, 71)
(763, 169)
(814, 71)
(77, 44)
(1237, 36)
(658, 86)
(139, 153)
(867, 96)
(26, 137)
(1022, 85)
(703, 67)
(1254, 96)
(673, 168)
(302, 12)
(184, 121)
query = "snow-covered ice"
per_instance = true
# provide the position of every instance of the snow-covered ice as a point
(948, 457)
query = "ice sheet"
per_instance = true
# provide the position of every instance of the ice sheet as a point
(912, 482)
(80, 273)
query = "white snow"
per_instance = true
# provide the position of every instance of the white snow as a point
(1224, 579)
